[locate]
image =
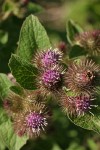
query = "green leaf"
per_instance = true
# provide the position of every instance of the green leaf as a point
(3, 37)
(33, 37)
(24, 72)
(75, 146)
(91, 144)
(17, 89)
(5, 84)
(2, 146)
(7, 136)
(3, 116)
(72, 30)
(33, 8)
(88, 121)
(77, 51)
(56, 147)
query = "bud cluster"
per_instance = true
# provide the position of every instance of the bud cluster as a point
(49, 64)
(90, 41)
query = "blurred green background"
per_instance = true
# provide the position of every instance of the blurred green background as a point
(53, 14)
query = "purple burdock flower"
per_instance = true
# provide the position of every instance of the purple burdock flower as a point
(50, 57)
(51, 79)
(82, 104)
(77, 105)
(32, 121)
(90, 41)
(35, 122)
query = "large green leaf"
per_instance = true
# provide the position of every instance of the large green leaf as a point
(11, 140)
(24, 72)
(88, 121)
(32, 37)
(72, 30)
(5, 84)
(7, 136)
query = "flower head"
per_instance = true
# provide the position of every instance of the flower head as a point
(90, 41)
(77, 105)
(82, 104)
(48, 58)
(32, 121)
(51, 57)
(50, 79)
(36, 121)
(81, 77)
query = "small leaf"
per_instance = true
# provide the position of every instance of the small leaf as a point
(3, 116)
(5, 85)
(77, 51)
(56, 147)
(72, 30)
(91, 144)
(33, 8)
(24, 72)
(32, 37)
(3, 37)
(17, 89)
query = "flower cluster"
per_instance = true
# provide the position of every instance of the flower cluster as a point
(82, 77)
(74, 83)
(51, 72)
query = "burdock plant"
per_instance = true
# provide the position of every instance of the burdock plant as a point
(40, 71)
